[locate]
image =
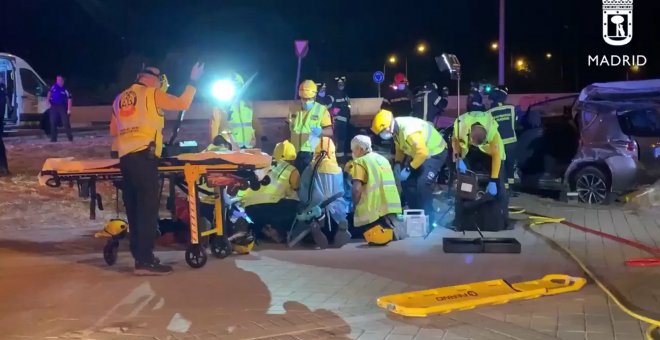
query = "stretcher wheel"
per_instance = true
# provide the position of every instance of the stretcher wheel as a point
(196, 256)
(265, 181)
(221, 247)
(255, 185)
(110, 252)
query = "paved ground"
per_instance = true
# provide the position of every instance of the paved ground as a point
(55, 285)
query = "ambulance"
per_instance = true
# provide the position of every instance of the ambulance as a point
(26, 91)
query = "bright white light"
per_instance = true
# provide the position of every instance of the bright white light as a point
(223, 90)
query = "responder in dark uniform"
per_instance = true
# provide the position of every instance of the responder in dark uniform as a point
(340, 110)
(505, 116)
(398, 98)
(4, 167)
(60, 109)
(427, 102)
(137, 122)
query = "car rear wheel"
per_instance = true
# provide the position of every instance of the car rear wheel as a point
(592, 186)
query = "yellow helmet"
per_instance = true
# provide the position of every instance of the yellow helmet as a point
(284, 151)
(378, 236)
(114, 227)
(243, 249)
(382, 121)
(307, 89)
(325, 144)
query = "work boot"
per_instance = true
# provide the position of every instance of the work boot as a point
(319, 237)
(152, 268)
(343, 236)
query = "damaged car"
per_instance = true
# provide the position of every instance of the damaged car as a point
(597, 145)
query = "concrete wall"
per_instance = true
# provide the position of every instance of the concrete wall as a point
(362, 108)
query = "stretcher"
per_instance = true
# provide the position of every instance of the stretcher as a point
(468, 296)
(230, 170)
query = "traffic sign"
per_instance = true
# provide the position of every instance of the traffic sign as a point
(302, 47)
(379, 77)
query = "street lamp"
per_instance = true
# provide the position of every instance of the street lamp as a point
(421, 48)
(548, 56)
(634, 68)
(521, 64)
(494, 46)
(392, 59)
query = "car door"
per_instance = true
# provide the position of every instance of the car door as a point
(643, 126)
(34, 92)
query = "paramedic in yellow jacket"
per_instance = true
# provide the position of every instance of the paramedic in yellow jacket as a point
(483, 137)
(375, 195)
(308, 124)
(138, 122)
(238, 120)
(417, 140)
(272, 208)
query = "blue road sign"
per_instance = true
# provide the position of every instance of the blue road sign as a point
(379, 77)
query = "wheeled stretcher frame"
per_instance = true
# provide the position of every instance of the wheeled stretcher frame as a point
(233, 177)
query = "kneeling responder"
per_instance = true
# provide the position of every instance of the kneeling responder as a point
(417, 139)
(375, 194)
(476, 133)
(505, 116)
(139, 123)
(272, 208)
(321, 193)
(308, 124)
(236, 118)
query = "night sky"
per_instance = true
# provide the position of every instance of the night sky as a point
(100, 45)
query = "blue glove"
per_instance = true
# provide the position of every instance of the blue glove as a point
(404, 174)
(461, 166)
(492, 188)
(316, 131)
(397, 169)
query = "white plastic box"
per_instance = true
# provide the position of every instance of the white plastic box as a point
(415, 222)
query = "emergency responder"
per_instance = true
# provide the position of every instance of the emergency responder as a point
(340, 110)
(60, 102)
(138, 123)
(427, 102)
(323, 98)
(237, 119)
(476, 134)
(398, 98)
(505, 116)
(4, 167)
(418, 140)
(272, 208)
(321, 193)
(308, 124)
(374, 192)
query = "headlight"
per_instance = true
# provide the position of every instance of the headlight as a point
(223, 90)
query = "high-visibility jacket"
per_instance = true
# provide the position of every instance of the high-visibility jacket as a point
(505, 116)
(138, 122)
(408, 126)
(380, 195)
(239, 123)
(465, 122)
(301, 124)
(278, 189)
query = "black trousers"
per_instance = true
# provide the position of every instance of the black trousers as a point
(418, 188)
(140, 194)
(279, 215)
(58, 113)
(342, 137)
(509, 163)
(302, 160)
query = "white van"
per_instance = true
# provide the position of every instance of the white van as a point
(25, 88)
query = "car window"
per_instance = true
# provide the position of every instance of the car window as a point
(31, 83)
(587, 118)
(641, 123)
(554, 107)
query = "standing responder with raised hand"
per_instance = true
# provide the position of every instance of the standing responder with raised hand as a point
(138, 121)
(308, 124)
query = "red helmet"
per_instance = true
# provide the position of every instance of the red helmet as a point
(400, 78)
